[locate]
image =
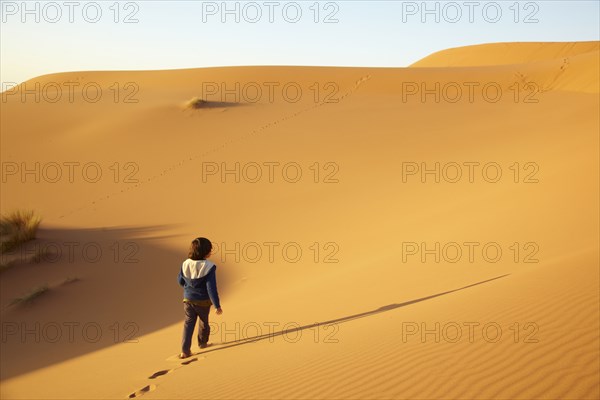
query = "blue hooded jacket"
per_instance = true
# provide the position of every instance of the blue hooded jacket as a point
(199, 281)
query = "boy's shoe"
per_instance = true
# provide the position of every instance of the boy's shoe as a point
(185, 355)
(205, 345)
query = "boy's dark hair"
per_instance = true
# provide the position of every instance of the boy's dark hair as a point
(199, 249)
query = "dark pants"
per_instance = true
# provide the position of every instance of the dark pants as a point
(192, 312)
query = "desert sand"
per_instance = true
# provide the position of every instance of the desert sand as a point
(378, 315)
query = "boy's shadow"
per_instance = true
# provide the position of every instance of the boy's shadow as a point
(385, 308)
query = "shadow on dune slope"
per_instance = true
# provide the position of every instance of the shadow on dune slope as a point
(106, 286)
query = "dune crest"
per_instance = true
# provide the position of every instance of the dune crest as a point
(505, 53)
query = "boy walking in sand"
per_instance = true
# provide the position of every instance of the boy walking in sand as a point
(199, 281)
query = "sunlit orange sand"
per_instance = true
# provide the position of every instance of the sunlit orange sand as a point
(422, 232)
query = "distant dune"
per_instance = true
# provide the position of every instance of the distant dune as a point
(506, 53)
(421, 232)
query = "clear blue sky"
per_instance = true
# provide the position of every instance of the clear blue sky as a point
(185, 34)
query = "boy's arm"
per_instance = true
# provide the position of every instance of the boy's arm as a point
(180, 279)
(211, 286)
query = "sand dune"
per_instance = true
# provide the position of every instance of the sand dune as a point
(360, 138)
(506, 53)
